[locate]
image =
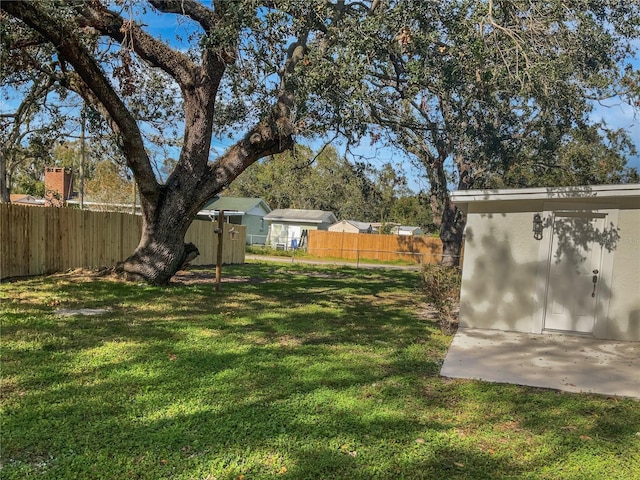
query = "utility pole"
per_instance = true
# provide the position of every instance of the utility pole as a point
(82, 157)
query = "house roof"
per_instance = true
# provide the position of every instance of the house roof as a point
(25, 198)
(547, 193)
(298, 215)
(406, 228)
(238, 204)
(382, 224)
(355, 223)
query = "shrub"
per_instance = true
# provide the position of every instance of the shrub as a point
(441, 286)
(268, 250)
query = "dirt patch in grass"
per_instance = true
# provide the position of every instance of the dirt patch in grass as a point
(207, 277)
(289, 341)
(318, 273)
(426, 311)
(9, 387)
(195, 276)
(69, 312)
(183, 277)
(77, 274)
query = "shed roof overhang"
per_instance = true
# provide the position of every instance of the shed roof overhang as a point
(462, 197)
(276, 219)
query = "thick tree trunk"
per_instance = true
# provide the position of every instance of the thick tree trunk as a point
(447, 217)
(166, 218)
(161, 251)
(451, 230)
(453, 219)
(5, 193)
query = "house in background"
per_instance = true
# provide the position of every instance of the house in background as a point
(352, 226)
(24, 199)
(249, 212)
(559, 260)
(58, 186)
(406, 230)
(288, 226)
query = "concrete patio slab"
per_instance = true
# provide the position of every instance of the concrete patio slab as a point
(562, 362)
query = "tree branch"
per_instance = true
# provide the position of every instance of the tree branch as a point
(71, 49)
(154, 52)
(207, 18)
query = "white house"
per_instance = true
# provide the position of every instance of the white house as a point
(288, 226)
(553, 260)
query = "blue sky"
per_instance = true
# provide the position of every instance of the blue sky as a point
(621, 115)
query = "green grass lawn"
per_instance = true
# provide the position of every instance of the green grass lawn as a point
(301, 254)
(289, 372)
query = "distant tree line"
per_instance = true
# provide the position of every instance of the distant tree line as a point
(326, 181)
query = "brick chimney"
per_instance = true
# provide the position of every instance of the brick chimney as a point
(59, 180)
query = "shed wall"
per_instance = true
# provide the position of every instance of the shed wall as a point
(500, 273)
(624, 309)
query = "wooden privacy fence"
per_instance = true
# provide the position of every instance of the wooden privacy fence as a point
(202, 234)
(38, 240)
(364, 246)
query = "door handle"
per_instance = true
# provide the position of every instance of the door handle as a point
(595, 281)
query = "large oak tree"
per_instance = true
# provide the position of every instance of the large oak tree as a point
(259, 71)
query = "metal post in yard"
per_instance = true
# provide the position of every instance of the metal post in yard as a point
(219, 231)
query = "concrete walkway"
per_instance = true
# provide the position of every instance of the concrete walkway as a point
(562, 362)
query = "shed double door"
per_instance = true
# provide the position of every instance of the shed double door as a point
(574, 272)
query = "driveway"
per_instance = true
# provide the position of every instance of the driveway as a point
(562, 362)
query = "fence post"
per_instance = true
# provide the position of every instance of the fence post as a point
(220, 231)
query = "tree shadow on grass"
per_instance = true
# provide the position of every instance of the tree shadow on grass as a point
(251, 382)
(231, 403)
